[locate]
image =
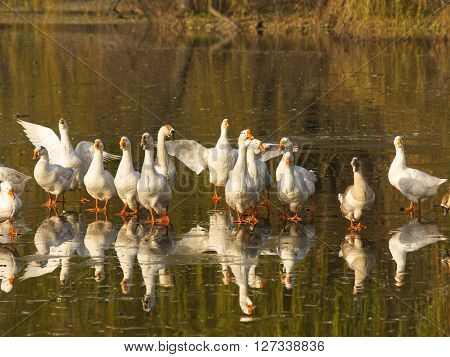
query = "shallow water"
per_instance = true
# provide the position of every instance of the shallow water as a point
(200, 276)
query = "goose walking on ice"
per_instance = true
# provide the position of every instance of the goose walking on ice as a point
(415, 185)
(153, 188)
(164, 164)
(10, 205)
(61, 151)
(240, 191)
(99, 182)
(53, 178)
(126, 180)
(18, 180)
(357, 198)
(291, 188)
(219, 160)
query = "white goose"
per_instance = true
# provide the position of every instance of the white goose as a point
(257, 168)
(415, 185)
(307, 176)
(291, 188)
(10, 205)
(17, 179)
(99, 182)
(240, 191)
(219, 160)
(153, 188)
(445, 202)
(164, 164)
(126, 179)
(53, 178)
(61, 151)
(357, 198)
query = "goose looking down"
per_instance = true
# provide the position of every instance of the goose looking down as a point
(291, 188)
(10, 205)
(307, 176)
(240, 191)
(415, 185)
(164, 164)
(126, 180)
(357, 198)
(61, 152)
(445, 203)
(18, 180)
(99, 182)
(153, 188)
(53, 178)
(219, 160)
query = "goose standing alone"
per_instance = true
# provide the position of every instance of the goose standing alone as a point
(126, 180)
(291, 188)
(53, 178)
(10, 205)
(18, 180)
(445, 202)
(357, 198)
(415, 185)
(153, 188)
(99, 182)
(219, 160)
(164, 164)
(61, 151)
(240, 191)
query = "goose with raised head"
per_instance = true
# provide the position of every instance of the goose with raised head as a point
(61, 151)
(53, 178)
(240, 191)
(291, 188)
(357, 198)
(126, 180)
(153, 188)
(98, 181)
(257, 168)
(10, 205)
(219, 160)
(415, 185)
(18, 180)
(163, 163)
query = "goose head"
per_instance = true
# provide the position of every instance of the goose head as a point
(257, 146)
(167, 131)
(285, 144)
(7, 284)
(6, 187)
(398, 142)
(146, 141)
(124, 143)
(39, 151)
(224, 126)
(356, 164)
(245, 137)
(63, 125)
(246, 306)
(98, 145)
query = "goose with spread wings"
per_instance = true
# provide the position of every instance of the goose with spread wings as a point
(61, 151)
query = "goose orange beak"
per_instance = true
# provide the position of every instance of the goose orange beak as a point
(122, 144)
(226, 123)
(97, 144)
(35, 154)
(281, 146)
(261, 147)
(11, 192)
(249, 135)
(250, 309)
(11, 280)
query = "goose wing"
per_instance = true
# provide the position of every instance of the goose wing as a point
(190, 153)
(42, 136)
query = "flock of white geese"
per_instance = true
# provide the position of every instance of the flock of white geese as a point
(242, 171)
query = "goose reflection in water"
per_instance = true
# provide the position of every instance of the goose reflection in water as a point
(10, 266)
(409, 238)
(294, 244)
(359, 253)
(126, 246)
(156, 243)
(100, 237)
(56, 240)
